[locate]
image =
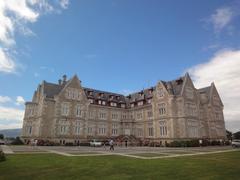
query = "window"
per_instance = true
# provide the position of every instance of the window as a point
(102, 130)
(29, 129)
(77, 127)
(160, 92)
(113, 104)
(139, 115)
(139, 132)
(78, 111)
(114, 129)
(90, 130)
(123, 105)
(150, 114)
(150, 131)
(114, 116)
(91, 101)
(124, 116)
(162, 109)
(192, 128)
(191, 109)
(104, 103)
(99, 102)
(149, 101)
(102, 115)
(140, 103)
(77, 130)
(132, 105)
(163, 128)
(63, 129)
(65, 109)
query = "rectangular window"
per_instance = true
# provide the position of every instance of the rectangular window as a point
(139, 132)
(139, 115)
(78, 111)
(65, 109)
(102, 115)
(150, 131)
(140, 103)
(162, 109)
(150, 114)
(89, 130)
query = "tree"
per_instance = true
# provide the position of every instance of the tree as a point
(236, 135)
(1, 136)
(229, 135)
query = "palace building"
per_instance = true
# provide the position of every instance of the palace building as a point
(172, 110)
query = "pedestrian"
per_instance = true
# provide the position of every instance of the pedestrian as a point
(104, 144)
(126, 143)
(111, 145)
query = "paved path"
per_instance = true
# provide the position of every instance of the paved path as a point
(6, 149)
(133, 152)
(168, 155)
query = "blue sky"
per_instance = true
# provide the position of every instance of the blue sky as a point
(117, 45)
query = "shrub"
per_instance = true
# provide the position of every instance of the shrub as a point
(191, 143)
(2, 156)
(69, 144)
(17, 141)
(84, 144)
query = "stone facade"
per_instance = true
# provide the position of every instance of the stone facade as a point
(172, 110)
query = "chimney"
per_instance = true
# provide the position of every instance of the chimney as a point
(64, 79)
(59, 81)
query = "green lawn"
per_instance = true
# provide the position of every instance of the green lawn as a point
(52, 166)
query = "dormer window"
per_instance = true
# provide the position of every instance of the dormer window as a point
(123, 105)
(100, 95)
(99, 102)
(113, 104)
(141, 93)
(91, 101)
(140, 103)
(149, 101)
(90, 93)
(150, 90)
(103, 102)
(132, 105)
(111, 97)
(118, 97)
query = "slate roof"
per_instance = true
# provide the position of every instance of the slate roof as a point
(174, 87)
(51, 89)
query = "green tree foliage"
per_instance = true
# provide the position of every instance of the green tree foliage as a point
(236, 135)
(229, 135)
(1, 136)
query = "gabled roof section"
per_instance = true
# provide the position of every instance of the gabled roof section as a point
(174, 87)
(50, 89)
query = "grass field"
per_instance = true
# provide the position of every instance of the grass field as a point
(52, 166)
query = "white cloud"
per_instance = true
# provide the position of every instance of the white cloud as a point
(20, 100)
(221, 18)
(15, 15)
(224, 70)
(5, 99)
(7, 65)
(10, 117)
(64, 3)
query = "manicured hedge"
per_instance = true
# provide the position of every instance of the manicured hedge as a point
(191, 143)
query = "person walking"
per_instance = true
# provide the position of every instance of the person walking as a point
(111, 145)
